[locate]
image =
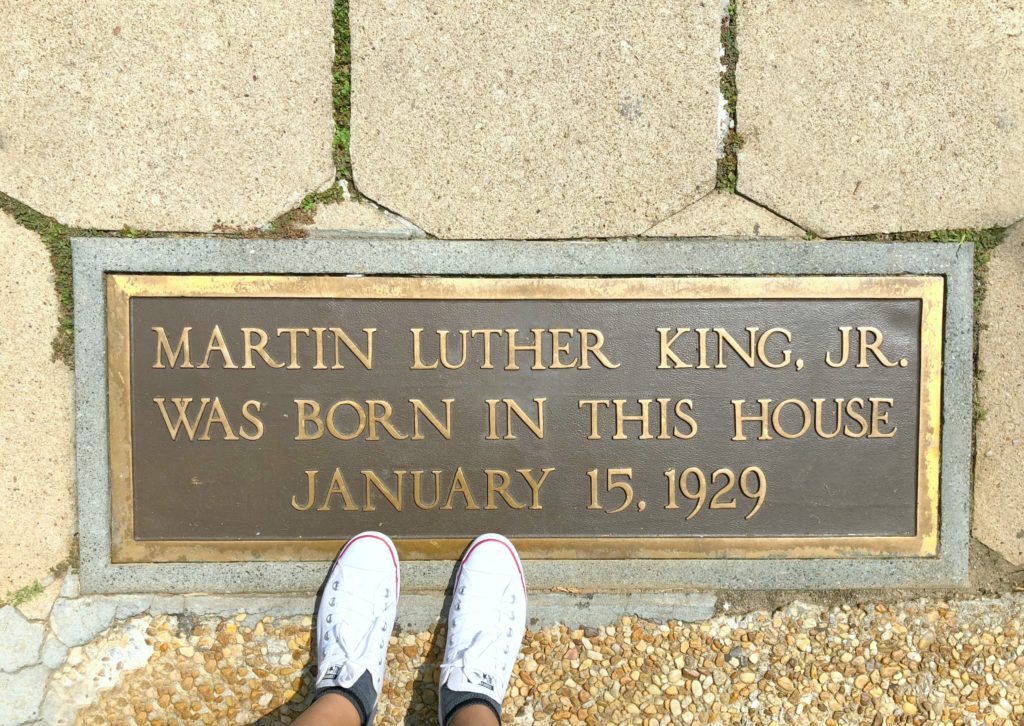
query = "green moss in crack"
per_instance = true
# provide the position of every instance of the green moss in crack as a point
(69, 563)
(727, 163)
(341, 75)
(22, 596)
(984, 240)
(57, 238)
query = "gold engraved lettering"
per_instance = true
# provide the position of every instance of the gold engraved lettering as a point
(310, 492)
(663, 418)
(182, 405)
(420, 409)
(218, 344)
(852, 418)
(874, 345)
(259, 347)
(342, 338)
(319, 338)
(856, 416)
(417, 494)
(373, 481)
(492, 423)
(384, 419)
(443, 348)
(459, 485)
(643, 418)
(685, 418)
(217, 416)
(487, 334)
(844, 332)
(739, 418)
(514, 348)
(878, 416)
(332, 425)
(558, 348)
(666, 344)
(747, 355)
(535, 484)
(417, 358)
(340, 488)
(587, 348)
(594, 403)
(730, 482)
(818, 416)
(786, 353)
(308, 411)
(511, 407)
(702, 348)
(777, 419)
(163, 347)
(500, 489)
(252, 418)
(293, 344)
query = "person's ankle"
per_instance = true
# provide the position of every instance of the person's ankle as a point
(345, 706)
(474, 713)
(357, 697)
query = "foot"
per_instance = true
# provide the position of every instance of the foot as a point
(486, 623)
(354, 623)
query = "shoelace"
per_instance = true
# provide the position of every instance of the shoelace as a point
(355, 654)
(474, 652)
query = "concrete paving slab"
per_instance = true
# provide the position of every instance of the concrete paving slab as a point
(358, 219)
(721, 214)
(20, 640)
(165, 115)
(998, 487)
(37, 517)
(882, 116)
(23, 694)
(534, 120)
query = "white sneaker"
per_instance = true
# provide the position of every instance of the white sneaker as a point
(356, 616)
(486, 622)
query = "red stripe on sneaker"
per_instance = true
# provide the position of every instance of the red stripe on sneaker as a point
(386, 545)
(515, 559)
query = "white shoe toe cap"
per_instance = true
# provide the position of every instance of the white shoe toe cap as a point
(494, 554)
(370, 551)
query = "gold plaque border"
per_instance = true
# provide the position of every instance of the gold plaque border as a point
(929, 289)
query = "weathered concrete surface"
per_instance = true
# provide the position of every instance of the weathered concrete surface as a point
(36, 510)
(998, 483)
(350, 218)
(22, 694)
(39, 606)
(721, 214)
(165, 115)
(534, 119)
(883, 116)
(80, 620)
(20, 640)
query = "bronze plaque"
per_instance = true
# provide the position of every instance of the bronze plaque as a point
(271, 417)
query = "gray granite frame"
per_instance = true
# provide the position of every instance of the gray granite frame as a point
(93, 257)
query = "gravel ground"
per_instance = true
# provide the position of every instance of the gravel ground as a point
(918, 662)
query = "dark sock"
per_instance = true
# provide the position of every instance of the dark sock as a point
(452, 701)
(361, 694)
